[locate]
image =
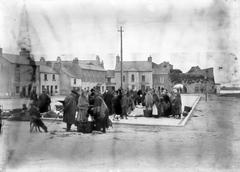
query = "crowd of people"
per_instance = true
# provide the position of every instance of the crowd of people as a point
(122, 102)
(98, 107)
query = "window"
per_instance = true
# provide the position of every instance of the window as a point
(143, 78)
(133, 87)
(45, 77)
(74, 81)
(123, 78)
(43, 88)
(132, 78)
(48, 89)
(109, 80)
(17, 89)
(161, 79)
(56, 89)
(53, 77)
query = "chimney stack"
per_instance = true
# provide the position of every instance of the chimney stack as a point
(117, 59)
(98, 59)
(75, 60)
(149, 59)
(42, 61)
(24, 52)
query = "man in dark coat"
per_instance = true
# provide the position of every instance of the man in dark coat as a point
(108, 96)
(70, 108)
(116, 103)
(44, 102)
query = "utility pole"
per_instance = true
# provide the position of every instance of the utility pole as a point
(121, 55)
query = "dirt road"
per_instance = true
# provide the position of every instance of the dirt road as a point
(209, 142)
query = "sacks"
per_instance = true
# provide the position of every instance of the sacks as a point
(85, 127)
(147, 113)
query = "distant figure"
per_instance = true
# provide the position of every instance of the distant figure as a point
(116, 104)
(176, 104)
(167, 106)
(70, 108)
(44, 102)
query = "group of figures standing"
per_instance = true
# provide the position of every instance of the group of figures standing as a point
(123, 102)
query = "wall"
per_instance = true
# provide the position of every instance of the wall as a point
(77, 84)
(65, 84)
(162, 81)
(7, 80)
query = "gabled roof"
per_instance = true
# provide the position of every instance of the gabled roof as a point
(16, 59)
(143, 66)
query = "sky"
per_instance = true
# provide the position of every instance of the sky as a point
(185, 33)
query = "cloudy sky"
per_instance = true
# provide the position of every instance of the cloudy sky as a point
(185, 33)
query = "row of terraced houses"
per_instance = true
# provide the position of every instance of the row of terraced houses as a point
(59, 77)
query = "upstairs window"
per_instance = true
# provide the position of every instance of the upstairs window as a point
(132, 78)
(74, 81)
(143, 78)
(53, 77)
(45, 77)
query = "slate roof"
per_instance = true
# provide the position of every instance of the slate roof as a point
(73, 69)
(47, 69)
(110, 73)
(16, 59)
(139, 66)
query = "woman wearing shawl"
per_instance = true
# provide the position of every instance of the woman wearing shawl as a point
(176, 104)
(149, 100)
(100, 114)
(83, 107)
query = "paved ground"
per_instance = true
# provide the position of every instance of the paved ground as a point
(209, 142)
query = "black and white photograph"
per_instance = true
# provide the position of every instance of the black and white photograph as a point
(119, 85)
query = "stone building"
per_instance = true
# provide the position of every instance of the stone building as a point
(143, 74)
(161, 75)
(196, 80)
(79, 74)
(110, 80)
(19, 74)
(136, 74)
(49, 79)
